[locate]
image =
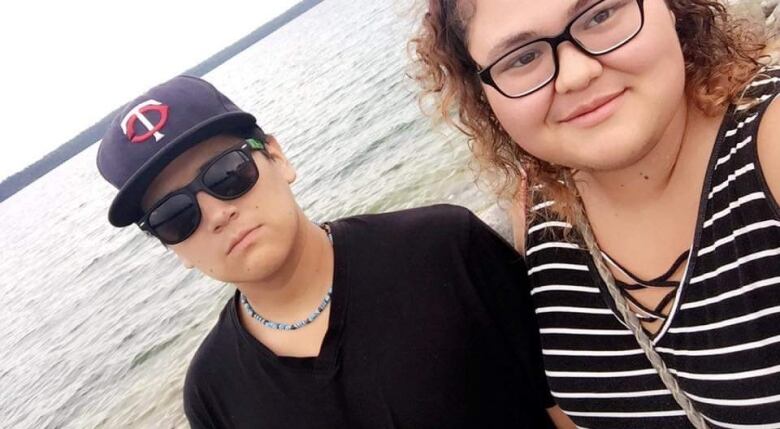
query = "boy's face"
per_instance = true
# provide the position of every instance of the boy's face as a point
(245, 239)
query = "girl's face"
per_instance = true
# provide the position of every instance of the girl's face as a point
(600, 113)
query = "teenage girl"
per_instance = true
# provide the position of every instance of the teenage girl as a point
(640, 144)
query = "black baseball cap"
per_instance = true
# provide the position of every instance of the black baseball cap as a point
(156, 127)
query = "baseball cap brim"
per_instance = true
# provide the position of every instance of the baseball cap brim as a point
(126, 207)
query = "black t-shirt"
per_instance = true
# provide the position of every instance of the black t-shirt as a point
(431, 326)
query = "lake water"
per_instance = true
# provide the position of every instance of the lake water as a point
(97, 324)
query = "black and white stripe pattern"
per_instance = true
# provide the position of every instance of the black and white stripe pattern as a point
(722, 337)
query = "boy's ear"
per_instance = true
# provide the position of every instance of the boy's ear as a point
(278, 158)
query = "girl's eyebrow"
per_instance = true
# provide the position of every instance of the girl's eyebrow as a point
(510, 41)
(576, 7)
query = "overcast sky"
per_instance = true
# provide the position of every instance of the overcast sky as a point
(65, 65)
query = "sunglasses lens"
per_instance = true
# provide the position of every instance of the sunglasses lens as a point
(231, 175)
(175, 219)
(228, 177)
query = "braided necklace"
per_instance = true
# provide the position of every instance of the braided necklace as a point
(295, 325)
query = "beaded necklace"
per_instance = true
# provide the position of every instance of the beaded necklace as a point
(295, 325)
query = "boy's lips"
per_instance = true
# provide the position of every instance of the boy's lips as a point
(239, 239)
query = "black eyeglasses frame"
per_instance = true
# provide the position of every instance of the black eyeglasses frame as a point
(554, 42)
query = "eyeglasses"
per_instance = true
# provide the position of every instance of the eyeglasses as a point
(228, 176)
(599, 30)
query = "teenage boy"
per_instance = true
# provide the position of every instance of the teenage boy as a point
(415, 319)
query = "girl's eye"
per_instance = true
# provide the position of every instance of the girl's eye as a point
(601, 17)
(525, 58)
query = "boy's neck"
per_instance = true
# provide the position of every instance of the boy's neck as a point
(299, 286)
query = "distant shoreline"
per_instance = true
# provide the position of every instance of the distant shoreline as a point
(18, 181)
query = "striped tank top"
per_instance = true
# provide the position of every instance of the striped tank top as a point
(722, 337)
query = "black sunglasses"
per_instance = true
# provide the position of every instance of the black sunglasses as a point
(227, 176)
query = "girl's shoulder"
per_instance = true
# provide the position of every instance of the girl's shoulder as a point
(767, 114)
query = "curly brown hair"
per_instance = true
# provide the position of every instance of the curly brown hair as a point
(721, 56)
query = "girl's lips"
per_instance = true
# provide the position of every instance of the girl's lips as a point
(595, 112)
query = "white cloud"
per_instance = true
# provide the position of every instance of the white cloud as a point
(67, 64)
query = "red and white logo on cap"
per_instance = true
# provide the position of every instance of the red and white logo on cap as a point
(137, 114)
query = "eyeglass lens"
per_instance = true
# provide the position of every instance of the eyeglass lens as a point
(602, 28)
